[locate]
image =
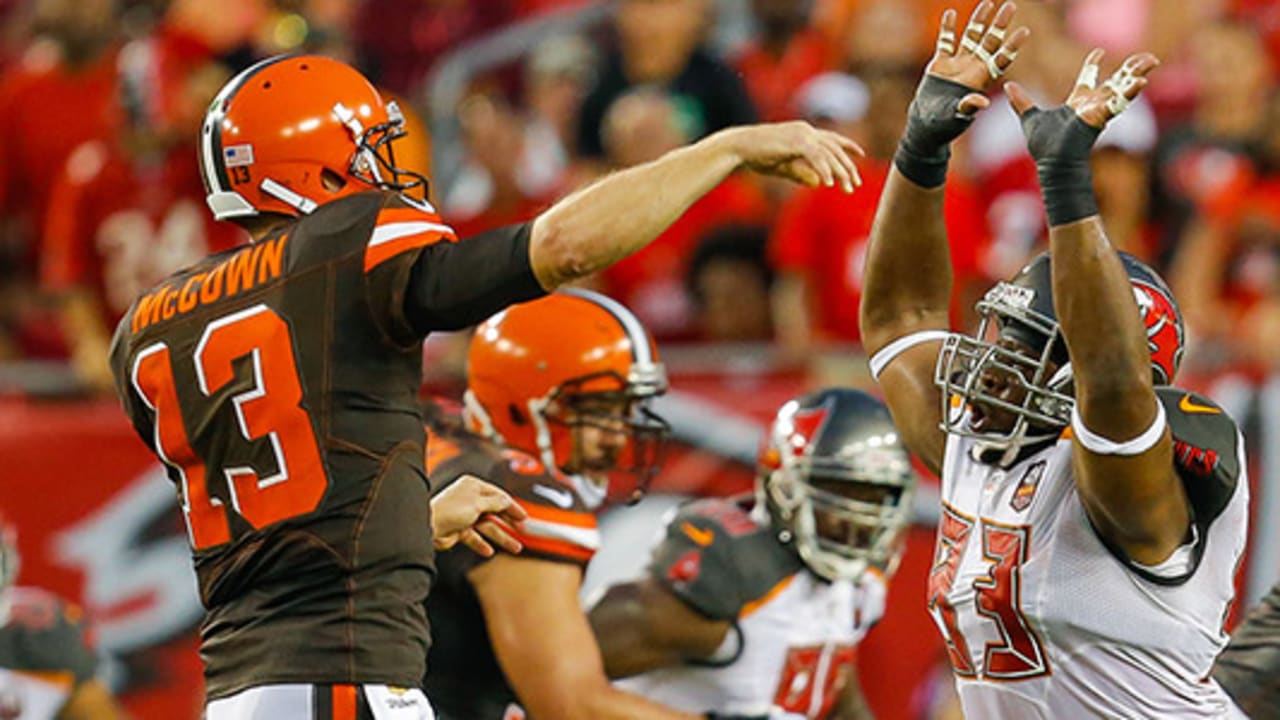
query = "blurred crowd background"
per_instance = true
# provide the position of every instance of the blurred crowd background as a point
(518, 102)
(753, 294)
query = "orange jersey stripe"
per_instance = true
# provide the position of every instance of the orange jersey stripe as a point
(759, 602)
(556, 515)
(382, 249)
(556, 547)
(405, 214)
(64, 679)
(344, 702)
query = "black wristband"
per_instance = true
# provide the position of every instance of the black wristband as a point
(1060, 143)
(1068, 191)
(933, 121)
(925, 170)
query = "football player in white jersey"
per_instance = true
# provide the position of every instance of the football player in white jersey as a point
(46, 669)
(752, 608)
(1092, 514)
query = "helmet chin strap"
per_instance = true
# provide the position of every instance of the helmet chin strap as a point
(303, 205)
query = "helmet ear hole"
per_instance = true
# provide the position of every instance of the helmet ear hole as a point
(332, 180)
(516, 416)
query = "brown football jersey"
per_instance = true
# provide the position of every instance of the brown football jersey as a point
(464, 680)
(278, 383)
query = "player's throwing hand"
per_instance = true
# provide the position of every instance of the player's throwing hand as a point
(797, 151)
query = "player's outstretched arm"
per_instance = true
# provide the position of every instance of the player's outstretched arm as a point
(544, 643)
(642, 626)
(612, 218)
(469, 511)
(907, 286)
(1125, 475)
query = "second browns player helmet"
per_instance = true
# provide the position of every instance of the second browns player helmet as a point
(837, 481)
(1022, 310)
(538, 373)
(294, 132)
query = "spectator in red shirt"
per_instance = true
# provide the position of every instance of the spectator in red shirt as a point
(129, 211)
(785, 53)
(819, 242)
(499, 183)
(639, 127)
(56, 96)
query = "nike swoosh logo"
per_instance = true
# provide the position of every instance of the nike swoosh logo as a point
(700, 536)
(562, 498)
(1187, 405)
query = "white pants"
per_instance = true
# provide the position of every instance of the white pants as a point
(311, 702)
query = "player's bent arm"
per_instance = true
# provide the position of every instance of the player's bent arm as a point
(906, 291)
(621, 213)
(642, 626)
(907, 283)
(1137, 501)
(545, 646)
(91, 701)
(852, 705)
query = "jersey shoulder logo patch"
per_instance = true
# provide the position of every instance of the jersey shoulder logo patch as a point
(1188, 405)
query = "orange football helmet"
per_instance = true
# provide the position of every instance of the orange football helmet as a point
(294, 132)
(539, 372)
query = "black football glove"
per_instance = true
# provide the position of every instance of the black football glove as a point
(933, 121)
(1060, 143)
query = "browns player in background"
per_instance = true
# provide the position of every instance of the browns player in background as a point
(556, 406)
(1093, 514)
(46, 667)
(754, 606)
(278, 382)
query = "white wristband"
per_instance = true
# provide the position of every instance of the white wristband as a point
(886, 355)
(1095, 443)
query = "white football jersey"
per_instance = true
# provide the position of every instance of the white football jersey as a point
(32, 695)
(1041, 620)
(791, 653)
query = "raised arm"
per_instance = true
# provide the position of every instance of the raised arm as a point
(616, 216)
(1123, 452)
(907, 287)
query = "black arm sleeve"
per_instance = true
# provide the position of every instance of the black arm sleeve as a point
(456, 285)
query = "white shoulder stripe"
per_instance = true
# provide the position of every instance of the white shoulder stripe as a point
(588, 538)
(394, 231)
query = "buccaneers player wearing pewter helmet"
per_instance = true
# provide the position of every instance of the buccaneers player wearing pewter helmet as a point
(278, 381)
(1092, 514)
(46, 667)
(755, 606)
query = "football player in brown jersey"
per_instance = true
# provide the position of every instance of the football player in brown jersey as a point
(46, 667)
(278, 382)
(556, 413)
